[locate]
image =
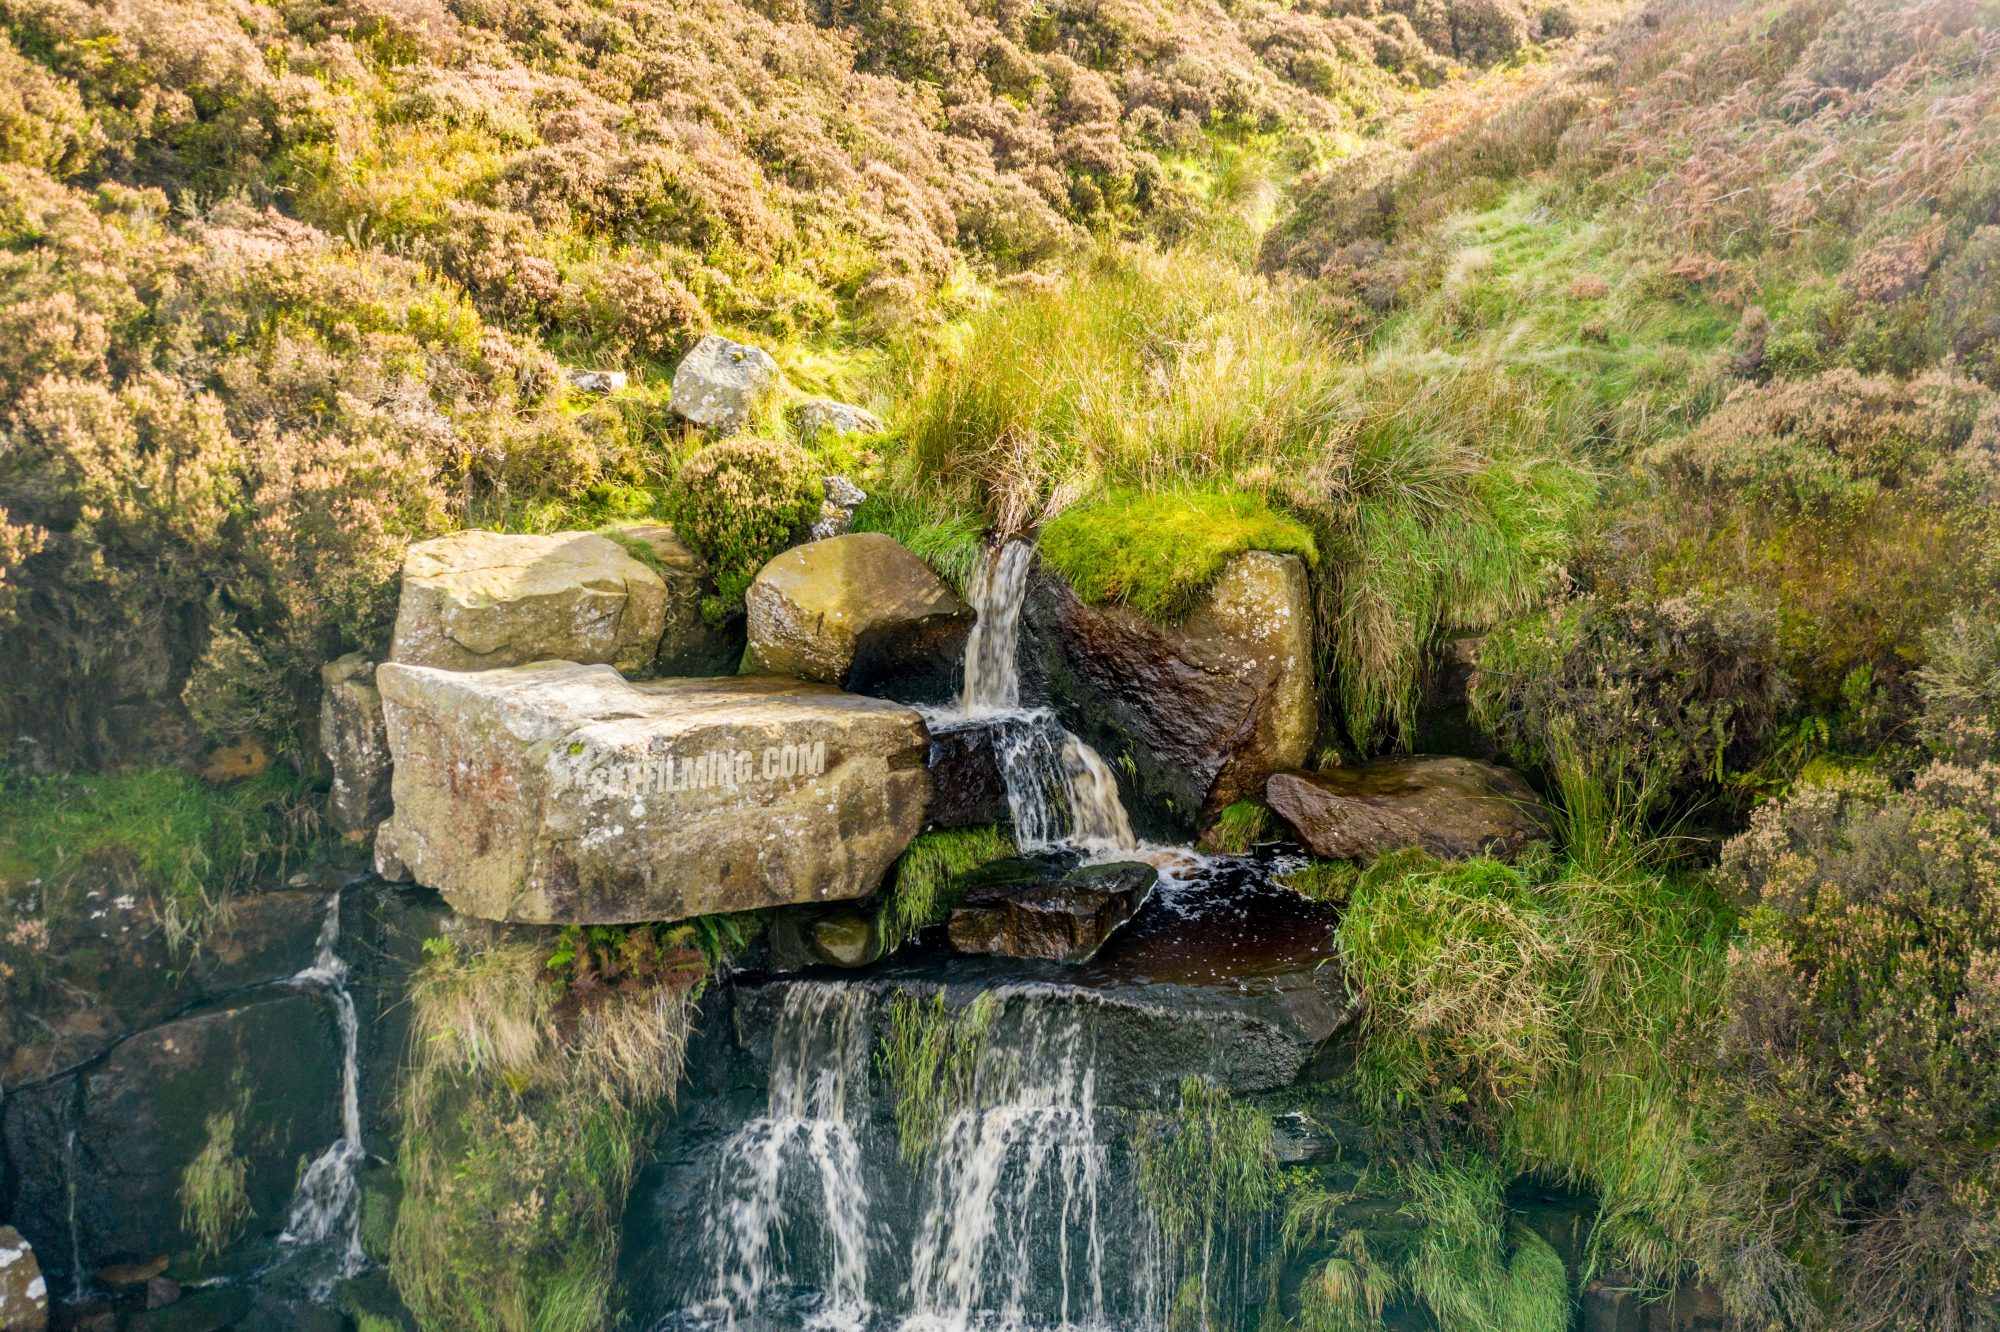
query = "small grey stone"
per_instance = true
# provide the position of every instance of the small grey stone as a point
(828, 416)
(720, 383)
(596, 381)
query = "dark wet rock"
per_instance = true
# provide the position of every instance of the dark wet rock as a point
(24, 1291)
(124, 1276)
(689, 644)
(1205, 710)
(858, 611)
(1617, 1301)
(1444, 719)
(1453, 808)
(967, 786)
(203, 1311)
(268, 1059)
(1066, 920)
(564, 794)
(162, 1291)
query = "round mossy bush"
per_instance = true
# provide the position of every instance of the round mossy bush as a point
(739, 502)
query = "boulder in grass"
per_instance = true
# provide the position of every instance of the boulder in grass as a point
(566, 794)
(859, 611)
(817, 418)
(720, 384)
(481, 600)
(1453, 808)
(836, 512)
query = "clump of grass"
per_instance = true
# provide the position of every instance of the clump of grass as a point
(1238, 827)
(1208, 1171)
(160, 832)
(930, 1056)
(1323, 880)
(523, 1113)
(214, 1201)
(1467, 1264)
(1157, 553)
(925, 876)
(948, 539)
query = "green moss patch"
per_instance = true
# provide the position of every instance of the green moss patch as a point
(1158, 553)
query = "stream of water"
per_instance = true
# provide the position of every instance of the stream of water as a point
(325, 1217)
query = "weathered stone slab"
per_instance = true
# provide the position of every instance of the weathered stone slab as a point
(356, 744)
(559, 793)
(1208, 708)
(859, 611)
(1453, 808)
(1067, 920)
(481, 600)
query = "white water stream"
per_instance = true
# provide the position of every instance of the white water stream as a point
(326, 1210)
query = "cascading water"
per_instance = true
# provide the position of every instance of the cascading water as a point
(1060, 791)
(326, 1212)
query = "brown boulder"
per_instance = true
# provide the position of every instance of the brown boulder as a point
(859, 611)
(1453, 808)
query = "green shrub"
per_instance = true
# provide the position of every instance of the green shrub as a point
(1157, 553)
(1652, 701)
(1856, 1110)
(1960, 689)
(739, 502)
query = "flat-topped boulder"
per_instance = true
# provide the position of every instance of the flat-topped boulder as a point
(558, 793)
(1063, 920)
(481, 600)
(860, 611)
(1453, 808)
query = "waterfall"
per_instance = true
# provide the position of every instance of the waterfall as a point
(327, 1203)
(1060, 791)
(1018, 1173)
(789, 1196)
(813, 1218)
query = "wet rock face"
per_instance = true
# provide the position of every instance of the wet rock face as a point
(564, 794)
(1453, 808)
(1063, 921)
(689, 645)
(859, 611)
(356, 744)
(267, 1061)
(480, 600)
(24, 1292)
(967, 783)
(1207, 709)
(720, 384)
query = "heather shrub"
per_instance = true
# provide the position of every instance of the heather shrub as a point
(738, 503)
(1959, 685)
(1855, 1112)
(1659, 701)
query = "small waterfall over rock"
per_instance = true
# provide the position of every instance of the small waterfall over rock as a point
(326, 1211)
(1060, 791)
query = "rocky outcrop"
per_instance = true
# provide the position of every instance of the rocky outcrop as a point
(356, 744)
(859, 611)
(560, 793)
(24, 1293)
(836, 511)
(689, 645)
(817, 418)
(720, 384)
(480, 600)
(1453, 808)
(1066, 920)
(968, 786)
(1206, 709)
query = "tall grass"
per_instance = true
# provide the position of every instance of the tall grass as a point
(930, 1054)
(1433, 499)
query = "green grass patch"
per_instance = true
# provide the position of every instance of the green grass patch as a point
(1157, 553)
(930, 1056)
(925, 875)
(158, 830)
(948, 538)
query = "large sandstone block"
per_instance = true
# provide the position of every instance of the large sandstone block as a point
(1207, 708)
(480, 600)
(1454, 808)
(860, 611)
(559, 793)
